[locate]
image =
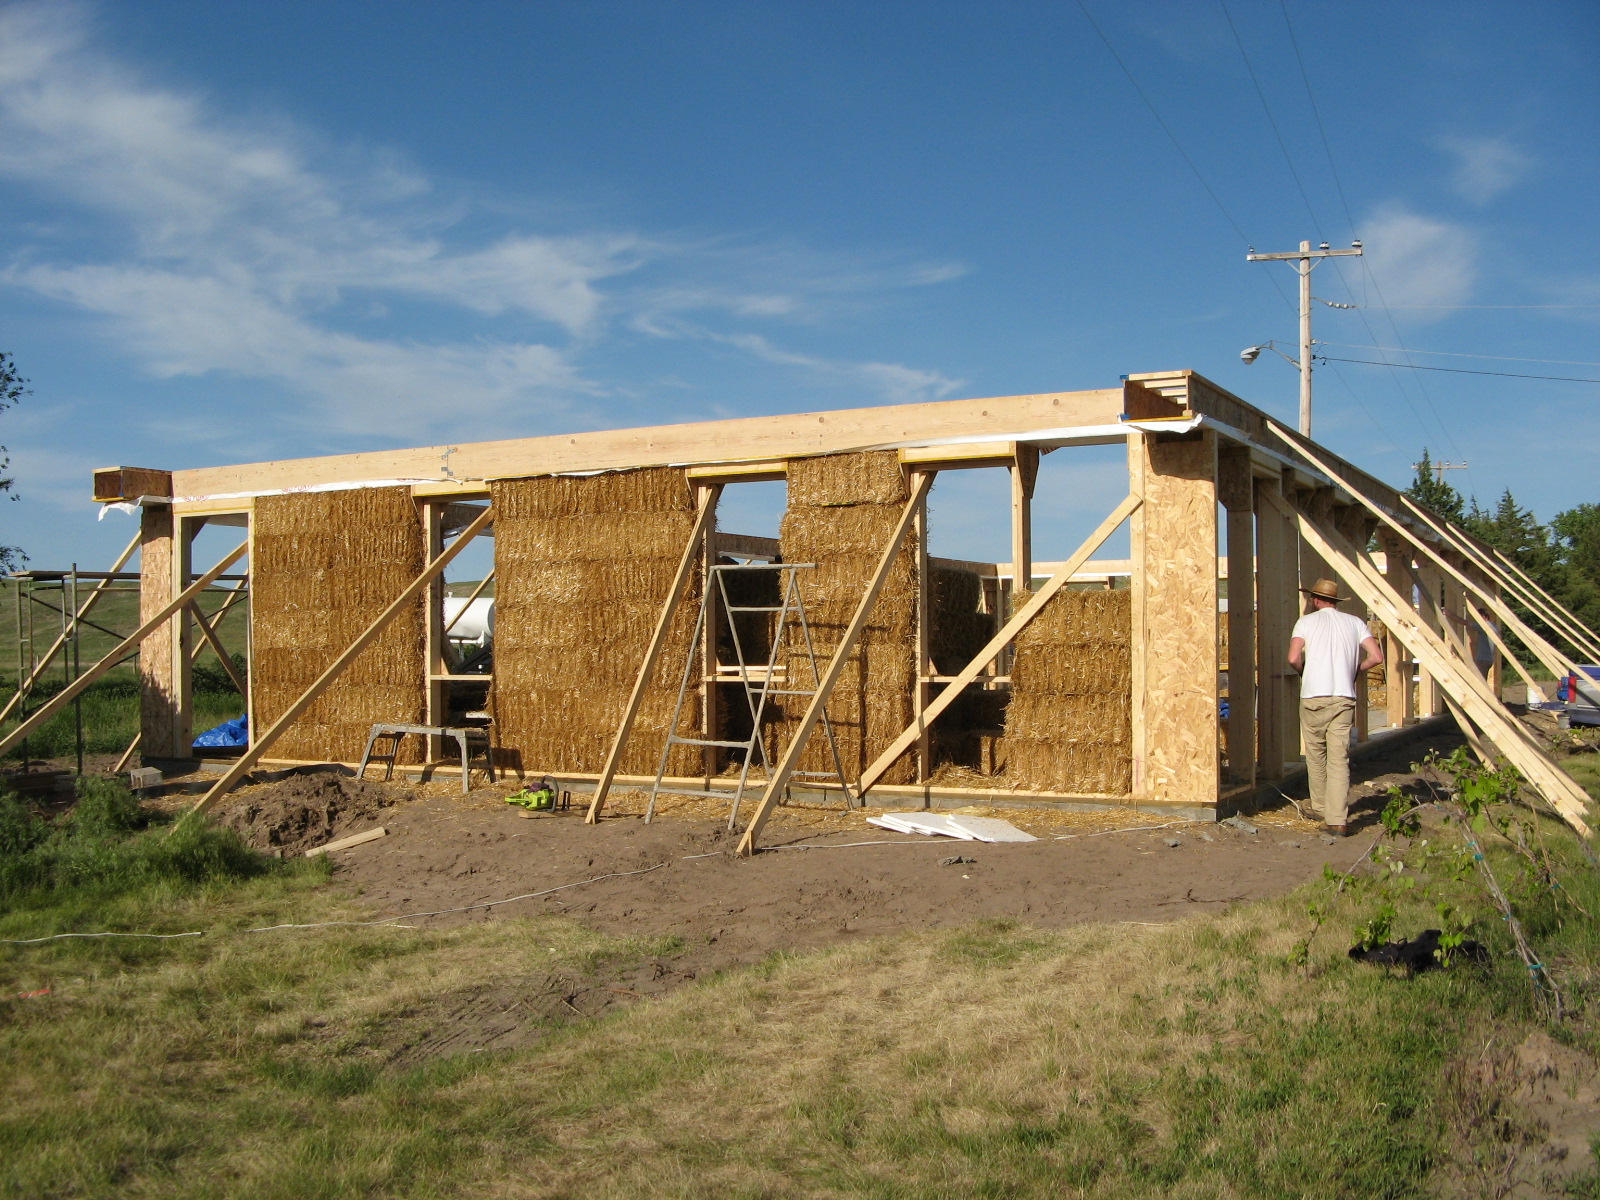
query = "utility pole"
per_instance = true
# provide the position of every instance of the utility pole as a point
(1439, 468)
(1304, 259)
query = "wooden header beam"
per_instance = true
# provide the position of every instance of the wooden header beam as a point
(747, 439)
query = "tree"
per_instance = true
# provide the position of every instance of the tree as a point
(12, 388)
(1431, 491)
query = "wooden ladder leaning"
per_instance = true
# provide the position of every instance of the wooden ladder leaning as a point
(759, 682)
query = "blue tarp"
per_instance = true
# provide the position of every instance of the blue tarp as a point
(229, 733)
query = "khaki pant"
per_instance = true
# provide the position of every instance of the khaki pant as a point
(1325, 723)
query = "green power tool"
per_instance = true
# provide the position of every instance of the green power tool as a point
(539, 797)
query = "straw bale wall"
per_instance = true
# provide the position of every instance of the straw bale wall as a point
(843, 508)
(1068, 723)
(582, 567)
(324, 565)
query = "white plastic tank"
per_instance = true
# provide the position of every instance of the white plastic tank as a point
(474, 626)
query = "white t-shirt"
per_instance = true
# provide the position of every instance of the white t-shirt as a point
(1333, 651)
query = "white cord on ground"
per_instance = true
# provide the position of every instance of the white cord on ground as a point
(56, 936)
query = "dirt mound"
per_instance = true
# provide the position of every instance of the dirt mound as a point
(300, 812)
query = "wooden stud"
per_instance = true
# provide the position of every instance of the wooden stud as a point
(1179, 638)
(1234, 490)
(1397, 663)
(924, 689)
(779, 778)
(705, 519)
(156, 621)
(1138, 465)
(1277, 573)
(260, 743)
(1024, 475)
(157, 679)
(1002, 639)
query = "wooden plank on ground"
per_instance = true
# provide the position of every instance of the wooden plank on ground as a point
(997, 643)
(779, 778)
(261, 742)
(159, 618)
(692, 551)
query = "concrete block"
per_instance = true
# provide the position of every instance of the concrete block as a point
(144, 777)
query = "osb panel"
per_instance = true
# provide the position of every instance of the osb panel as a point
(157, 686)
(583, 566)
(1180, 620)
(324, 567)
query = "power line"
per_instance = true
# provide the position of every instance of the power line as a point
(1457, 370)
(1171, 137)
(1560, 362)
(1317, 113)
(1271, 120)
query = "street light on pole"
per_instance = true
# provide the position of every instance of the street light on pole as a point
(1304, 259)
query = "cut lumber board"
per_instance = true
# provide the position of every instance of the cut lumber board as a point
(344, 843)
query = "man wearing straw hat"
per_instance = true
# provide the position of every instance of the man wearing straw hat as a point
(1329, 649)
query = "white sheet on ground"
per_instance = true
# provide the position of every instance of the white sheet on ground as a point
(963, 828)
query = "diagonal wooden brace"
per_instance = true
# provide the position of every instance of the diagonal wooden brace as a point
(779, 779)
(998, 643)
(67, 694)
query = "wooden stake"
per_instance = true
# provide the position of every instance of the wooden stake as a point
(262, 742)
(692, 550)
(997, 643)
(779, 780)
(74, 689)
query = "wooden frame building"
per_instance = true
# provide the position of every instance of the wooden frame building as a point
(344, 552)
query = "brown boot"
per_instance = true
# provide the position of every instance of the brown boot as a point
(1337, 830)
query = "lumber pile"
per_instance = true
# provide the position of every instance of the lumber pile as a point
(843, 509)
(583, 566)
(324, 566)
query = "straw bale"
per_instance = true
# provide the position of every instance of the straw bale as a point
(650, 490)
(842, 511)
(833, 480)
(583, 566)
(592, 537)
(325, 565)
(1067, 724)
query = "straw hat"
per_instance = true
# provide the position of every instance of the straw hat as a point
(1325, 589)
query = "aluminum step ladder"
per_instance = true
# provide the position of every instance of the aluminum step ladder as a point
(757, 683)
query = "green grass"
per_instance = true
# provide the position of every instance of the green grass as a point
(994, 1060)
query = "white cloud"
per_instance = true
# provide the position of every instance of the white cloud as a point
(252, 250)
(1419, 261)
(1485, 167)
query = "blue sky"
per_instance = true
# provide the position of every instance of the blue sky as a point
(245, 231)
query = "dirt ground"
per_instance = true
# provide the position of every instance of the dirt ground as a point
(826, 875)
